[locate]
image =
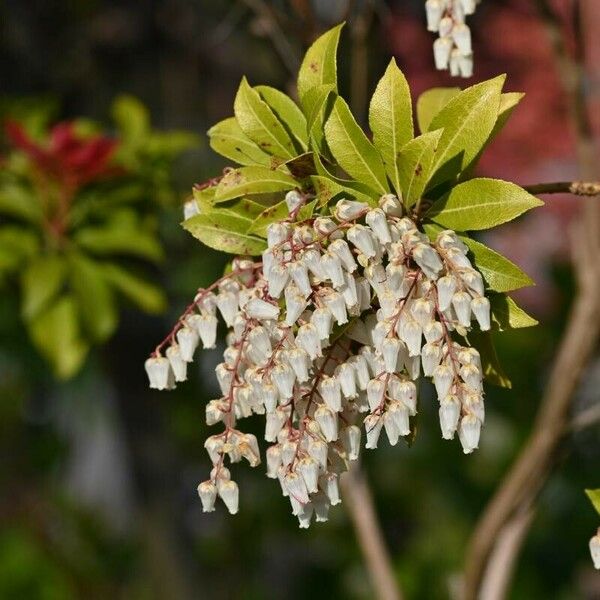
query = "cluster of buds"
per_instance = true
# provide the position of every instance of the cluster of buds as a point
(327, 337)
(452, 50)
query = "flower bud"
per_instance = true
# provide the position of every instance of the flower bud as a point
(160, 374)
(207, 491)
(230, 494)
(373, 425)
(178, 365)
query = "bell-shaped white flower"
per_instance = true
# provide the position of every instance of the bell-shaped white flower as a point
(348, 210)
(442, 379)
(377, 221)
(227, 303)
(283, 377)
(160, 374)
(273, 455)
(207, 491)
(428, 259)
(446, 286)
(399, 414)
(312, 259)
(410, 333)
(481, 310)
(296, 487)
(330, 485)
(305, 515)
(295, 303)
(474, 281)
(215, 412)
(294, 200)
(277, 233)
(390, 349)
(341, 249)
(317, 450)
(214, 447)
(461, 302)
(178, 364)
(270, 396)
(300, 363)
(336, 304)
(299, 273)
(230, 494)
(307, 338)
(328, 422)
(346, 375)
(449, 415)
(391, 205)
(431, 354)
(373, 425)
(362, 238)
(469, 430)
(406, 392)
(322, 319)
(472, 376)
(261, 309)
(375, 393)
(442, 47)
(206, 326)
(329, 388)
(309, 469)
(277, 279)
(461, 34)
(434, 10)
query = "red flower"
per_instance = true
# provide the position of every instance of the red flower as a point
(72, 160)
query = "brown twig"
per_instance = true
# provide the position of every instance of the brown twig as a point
(579, 188)
(359, 502)
(519, 491)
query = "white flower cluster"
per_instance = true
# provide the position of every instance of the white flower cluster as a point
(327, 335)
(452, 50)
(595, 549)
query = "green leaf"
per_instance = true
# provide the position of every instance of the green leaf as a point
(480, 204)
(55, 332)
(319, 63)
(94, 298)
(316, 105)
(260, 124)
(142, 293)
(228, 140)
(390, 119)
(278, 212)
(415, 160)
(506, 314)
(41, 281)
(21, 203)
(356, 189)
(500, 274)
(431, 102)
(244, 208)
(133, 241)
(16, 245)
(252, 180)
(205, 197)
(352, 150)
(467, 119)
(492, 370)
(287, 111)
(594, 496)
(225, 232)
(301, 166)
(132, 118)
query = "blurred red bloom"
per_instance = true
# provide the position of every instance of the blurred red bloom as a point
(67, 157)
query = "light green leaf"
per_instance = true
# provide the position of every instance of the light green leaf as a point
(316, 104)
(480, 204)
(225, 232)
(287, 111)
(244, 208)
(260, 124)
(594, 496)
(326, 189)
(205, 197)
(319, 63)
(93, 296)
(278, 212)
(506, 314)
(55, 332)
(132, 118)
(492, 369)
(41, 281)
(390, 119)
(17, 201)
(415, 160)
(356, 189)
(430, 103)
(500, 274)
(467, 120)
(352, 150)
(104, 241)
(16, 245)
(228, 140)
(142, 293)
(252, 180)
(301, 166)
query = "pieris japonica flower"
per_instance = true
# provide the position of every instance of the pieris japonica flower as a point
(327, 336)
(595, 549)
(452, 50)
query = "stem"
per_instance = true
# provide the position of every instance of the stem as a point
(520, 489)
(362, 512)
(579, 188)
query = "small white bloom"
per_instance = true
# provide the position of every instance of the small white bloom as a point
(300, 363)
(230, 494)
(449, 416)
(390, 349)
(346, 374)
(307, 338)
(474, 281)
(207, 491)
(329, 484)
(431, 355)
(348, 210)
(433, 332)
(362, 238)
(434, 10)
(442, 47)
(375, 393)
(283, 377)
(322, 319)
(294, 200)
(309, 469)
(428, 259)
(332, 268)
(159, 373)
(377, 221)
(227, 303)
(260, 309)
(269, 395)
(442, 379)
(318, 451)
(461, 302)
(178, 365)
(481, 310)
(224, 378)
(373, 425)
(406, 392)
(295, 303)
(277, 279)
(328, 422)
(273, 454)
(341, 249)
(391, 205)
(468, 433)
(595, 550)
(277, 233)
(299, 273)
(214, 446)
(206, 326)
(336, 304)
(446, 286)
(399, 414)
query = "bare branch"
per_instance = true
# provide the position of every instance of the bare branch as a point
(359, 502)
(579, 188)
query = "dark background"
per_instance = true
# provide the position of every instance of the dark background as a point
(98, 476)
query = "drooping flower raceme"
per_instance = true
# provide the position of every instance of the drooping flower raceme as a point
(327, 338)
(452, 49)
